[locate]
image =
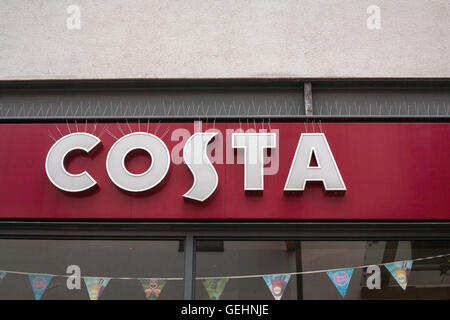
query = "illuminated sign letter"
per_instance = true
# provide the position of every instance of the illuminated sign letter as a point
(325, 171)
(196, 158)
(124, 179)
(254, 145)
(54, 163)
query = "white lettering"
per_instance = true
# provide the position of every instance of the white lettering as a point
(325, 171)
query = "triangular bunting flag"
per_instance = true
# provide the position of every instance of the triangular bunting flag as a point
(215, 287)
(341, 279)
(400, 271)
(277, 283)
(153, 288)
(2, 274)
(95, 286)
(39, 284)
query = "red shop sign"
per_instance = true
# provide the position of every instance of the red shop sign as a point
(353, 171)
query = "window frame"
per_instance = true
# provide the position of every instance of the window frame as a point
(191, 232)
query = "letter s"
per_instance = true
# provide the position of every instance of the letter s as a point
(196, 158)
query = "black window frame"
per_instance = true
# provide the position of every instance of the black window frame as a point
(191, 232)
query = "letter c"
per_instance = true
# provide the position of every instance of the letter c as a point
(54, 163)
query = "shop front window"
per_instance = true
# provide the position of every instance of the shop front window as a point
(331, 270)
(113, 269)
(224, 269)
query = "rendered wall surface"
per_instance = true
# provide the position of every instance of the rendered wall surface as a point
(224, 39)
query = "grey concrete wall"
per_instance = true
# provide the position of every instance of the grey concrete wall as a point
(224, 39)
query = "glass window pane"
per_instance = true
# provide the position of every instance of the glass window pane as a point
(250, 260)
(96, 258)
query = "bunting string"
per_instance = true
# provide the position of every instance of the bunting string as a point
(228, 277)
(324, 270)
(75, 276)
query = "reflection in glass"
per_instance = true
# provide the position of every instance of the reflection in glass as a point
(428, 279)
(96, 258)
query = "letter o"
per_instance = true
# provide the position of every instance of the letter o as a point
(124, 179)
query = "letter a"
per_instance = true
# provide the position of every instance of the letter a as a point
(325, 171)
